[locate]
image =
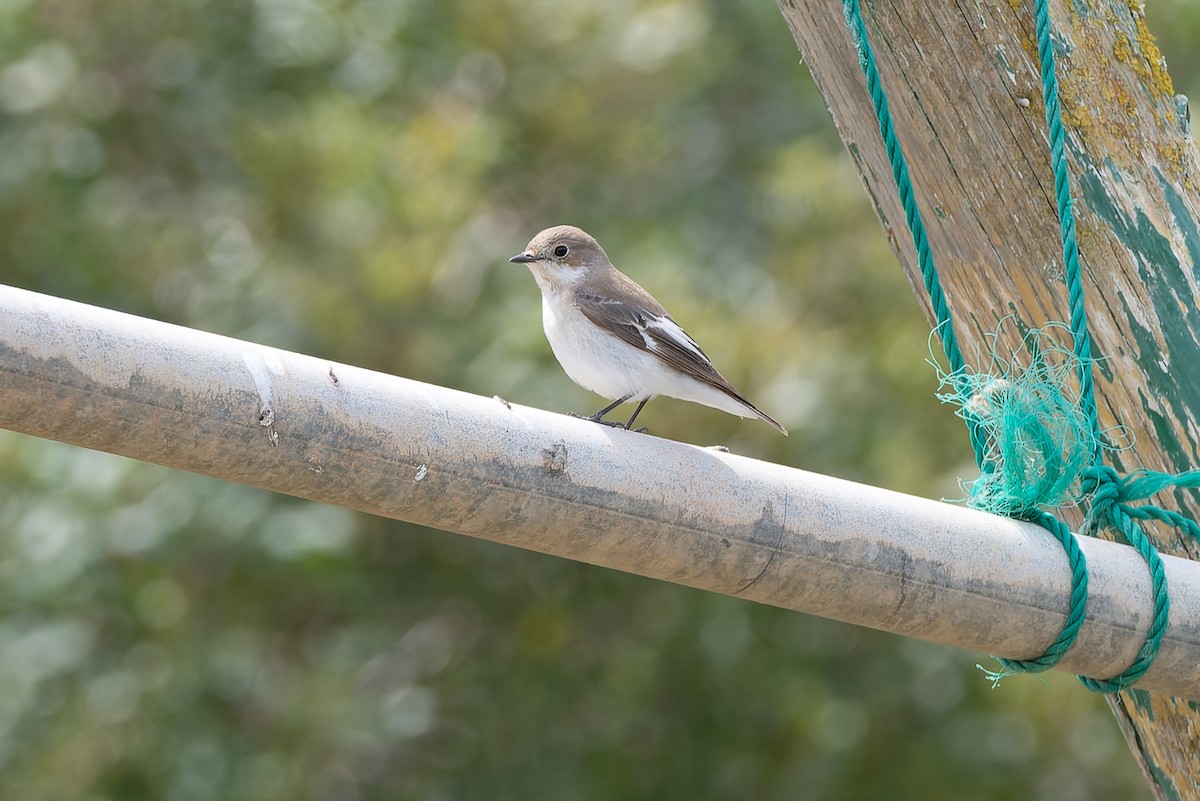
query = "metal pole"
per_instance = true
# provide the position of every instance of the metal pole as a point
(542, 481)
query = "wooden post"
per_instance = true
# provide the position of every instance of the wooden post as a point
(963, 81)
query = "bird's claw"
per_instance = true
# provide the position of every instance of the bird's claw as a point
(593, 418)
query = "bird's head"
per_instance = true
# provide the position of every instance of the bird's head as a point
(562, 256)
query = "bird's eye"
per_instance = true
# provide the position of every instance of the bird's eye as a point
(561, 250)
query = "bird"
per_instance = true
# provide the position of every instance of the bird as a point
(613, 338)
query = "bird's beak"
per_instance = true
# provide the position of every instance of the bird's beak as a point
(523, 258)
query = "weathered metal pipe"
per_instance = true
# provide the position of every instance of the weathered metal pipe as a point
(533, 479)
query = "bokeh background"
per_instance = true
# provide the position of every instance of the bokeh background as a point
(347, 178)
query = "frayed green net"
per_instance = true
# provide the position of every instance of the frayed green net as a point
(1037, 441)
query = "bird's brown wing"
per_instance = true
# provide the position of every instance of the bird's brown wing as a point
(653, 330)
(655, 333)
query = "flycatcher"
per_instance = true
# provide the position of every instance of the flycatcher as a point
(613, 338)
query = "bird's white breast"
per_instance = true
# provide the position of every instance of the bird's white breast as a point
(596, 360)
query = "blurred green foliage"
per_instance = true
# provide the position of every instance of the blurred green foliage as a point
(347, 178)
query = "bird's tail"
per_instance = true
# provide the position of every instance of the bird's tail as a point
(766, 418)
(744, 408)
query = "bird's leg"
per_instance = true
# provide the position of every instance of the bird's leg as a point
(636, 412)
(598, 417)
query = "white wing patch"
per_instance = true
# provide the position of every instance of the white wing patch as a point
(676, 335)
(650, 343)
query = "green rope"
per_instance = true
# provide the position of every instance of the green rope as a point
(1112, 505)
(933, 287)
(996, 441)
(1079, 593)
(945, 327)
(1106, 488)
(1066, 218)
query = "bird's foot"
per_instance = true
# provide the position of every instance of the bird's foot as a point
(596, 419)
